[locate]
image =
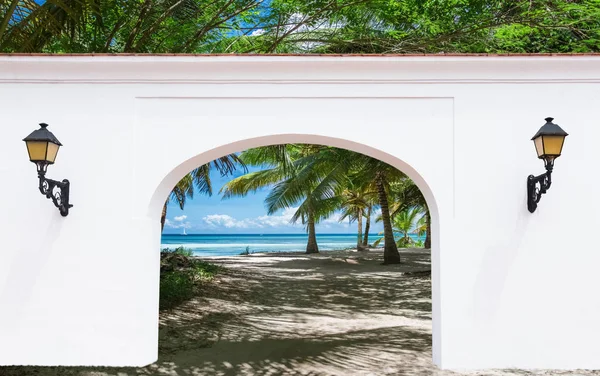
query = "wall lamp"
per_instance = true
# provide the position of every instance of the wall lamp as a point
(43, 147)
(548, 143)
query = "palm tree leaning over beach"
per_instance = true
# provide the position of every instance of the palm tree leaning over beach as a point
(306, 176)
(314, 177)
(380, 176)
(199, 180)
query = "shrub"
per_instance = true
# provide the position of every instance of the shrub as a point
(205, 271)
(180, 275)
(187, 252)
(175, 288)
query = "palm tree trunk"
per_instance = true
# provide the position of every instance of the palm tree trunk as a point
(428, 231)
(163, 217)
(367, 227)
(359, 246)
(390, 250)
(312, 246)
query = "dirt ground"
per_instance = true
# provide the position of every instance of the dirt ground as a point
(336, 313)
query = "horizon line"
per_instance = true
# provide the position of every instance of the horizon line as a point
(291, 233)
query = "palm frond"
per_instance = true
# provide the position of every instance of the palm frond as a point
(285, 194)
(251, 182)
(228, 164)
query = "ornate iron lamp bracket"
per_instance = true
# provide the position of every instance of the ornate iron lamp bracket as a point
(57, 191)
(537, 186)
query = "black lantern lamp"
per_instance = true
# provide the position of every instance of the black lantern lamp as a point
(43, 147)
(548, 143)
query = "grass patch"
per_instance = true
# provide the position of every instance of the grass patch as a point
(181, 275)
(187, 252)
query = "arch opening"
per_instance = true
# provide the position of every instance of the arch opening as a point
(162, 192)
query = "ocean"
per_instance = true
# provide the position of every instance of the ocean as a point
(234, 244)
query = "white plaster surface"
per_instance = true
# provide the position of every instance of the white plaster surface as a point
(510, 288)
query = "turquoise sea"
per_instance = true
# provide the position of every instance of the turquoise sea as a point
(234, 244)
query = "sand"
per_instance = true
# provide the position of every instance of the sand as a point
(335, 313)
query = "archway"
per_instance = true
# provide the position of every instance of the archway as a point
(166, 185)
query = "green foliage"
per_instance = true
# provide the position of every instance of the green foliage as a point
(205, 271)
(405, 222)
(199, 178)
(299, 26)
(176, 287)
(181, 275)
(308, 176)
(187, 252)
(319, 180)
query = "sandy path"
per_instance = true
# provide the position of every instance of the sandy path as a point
(340, 313)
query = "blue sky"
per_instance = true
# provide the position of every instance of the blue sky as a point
(242, 215)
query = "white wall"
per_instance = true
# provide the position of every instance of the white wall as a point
(521, 292)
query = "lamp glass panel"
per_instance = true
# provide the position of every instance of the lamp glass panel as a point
(52, 151)
(37, 150)
(539, 146)
(553, 145)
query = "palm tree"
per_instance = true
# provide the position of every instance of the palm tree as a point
(390, 251)
(379, 175)
(83, 26)
(421, 227)
(405, 222)
(406, 194)
(365, 242)
(28, 26)
(199, 179)
(427, 243)
(183, 190)
(354, 204)
(308, 176)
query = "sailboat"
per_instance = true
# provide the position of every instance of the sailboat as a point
(184, 233)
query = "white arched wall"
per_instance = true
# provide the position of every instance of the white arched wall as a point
(338, 122)
(511, 288)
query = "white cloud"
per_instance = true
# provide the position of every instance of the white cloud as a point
(224, 220)
(177, 222)
(263, 221)
(281, 220)
(257, 32)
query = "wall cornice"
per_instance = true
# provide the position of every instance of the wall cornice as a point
(299, 69)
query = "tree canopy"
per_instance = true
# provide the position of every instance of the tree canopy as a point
(299, 26)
